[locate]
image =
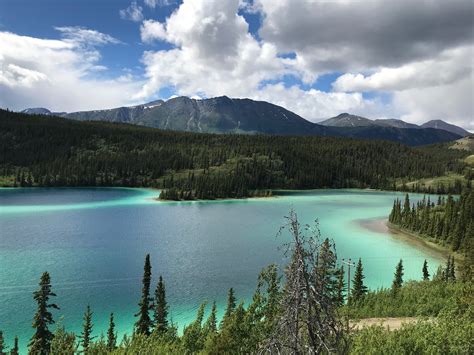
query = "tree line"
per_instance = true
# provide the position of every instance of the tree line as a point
(306, 311)
(51, 151)
(448, 221)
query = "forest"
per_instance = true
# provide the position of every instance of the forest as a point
(51, 151)
(449, 221)
(303, 307)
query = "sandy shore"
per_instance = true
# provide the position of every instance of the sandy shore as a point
(382, 226)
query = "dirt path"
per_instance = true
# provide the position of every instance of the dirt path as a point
(389, 323)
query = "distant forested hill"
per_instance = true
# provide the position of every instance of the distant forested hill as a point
(40, 150)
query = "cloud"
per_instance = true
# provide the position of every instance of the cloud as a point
(343, 35)
(452, 102)
(58, 74)
(448, 67)
(78, 35)
(152, 30)
(214, 52)
(132, 13)
(159, 3)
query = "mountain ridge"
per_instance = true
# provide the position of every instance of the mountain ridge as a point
(230, 115)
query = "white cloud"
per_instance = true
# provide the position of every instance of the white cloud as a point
(58, 74)
(450, 66)
(152, 30)
(132, 13)
(214, 52)
(159, 3)
(452, 103)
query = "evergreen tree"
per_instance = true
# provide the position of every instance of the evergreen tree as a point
(63, 342)
(2, 344)
(341, 286)
(426, 274)
(41, 340)
(230, 307)
(398, 278)
(211, 323)
(358, 289)
(161, 307)
(144, 323)
(86, 335)
(452, 270)
(15, 350)
(111, 336)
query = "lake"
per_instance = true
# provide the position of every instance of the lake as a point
(93, 242)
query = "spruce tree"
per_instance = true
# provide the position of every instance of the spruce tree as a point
(210, 326)
(230, 306)
(426, 274)
(2, 344)
(15, 350)
(144, 323)
(452, 270)
(86, 335)
(111, 336)
(398, 278)
(161, 307)
(341, 286)
(358, 289)
(41, 340)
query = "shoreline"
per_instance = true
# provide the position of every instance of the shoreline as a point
(383, 226)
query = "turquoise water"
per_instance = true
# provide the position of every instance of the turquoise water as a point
(93, 243)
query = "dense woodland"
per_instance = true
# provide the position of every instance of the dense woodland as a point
(303, 309)
(51, 151)
(448, 221)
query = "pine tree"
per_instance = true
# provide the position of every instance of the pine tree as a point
(341, 286)
(15, 350)
(41, 340)
(161, 307)
(230, 307)
(359, 289)
(426, 274)
(144, 323)
(398, 278)
(2, 344)
(452, 270)
(211, 323)
(86, 335)
(111, 336)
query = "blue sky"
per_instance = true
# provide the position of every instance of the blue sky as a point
(315, 58)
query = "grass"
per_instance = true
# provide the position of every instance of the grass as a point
(446, 180)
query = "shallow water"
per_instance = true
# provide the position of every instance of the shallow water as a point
(93, 243)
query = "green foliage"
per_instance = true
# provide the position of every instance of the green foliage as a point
(415, 298)
(424, 270)
(450, 223)
(160, 308)
(86, 335)
(398, 278)
(63, 342)
(144, 323)
(450, 333)
(16, 350)
(51, 151)
(41, 340)
(359, 290)
(2, 344)
(111, 335)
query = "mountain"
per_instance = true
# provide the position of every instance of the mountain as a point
(120, 114)
(347, 120)
(439, 124)
(227, 115)
(41, 111)
(392, 122)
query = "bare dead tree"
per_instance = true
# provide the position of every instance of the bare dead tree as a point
(309, 323)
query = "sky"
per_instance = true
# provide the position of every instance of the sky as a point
(405, 59)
